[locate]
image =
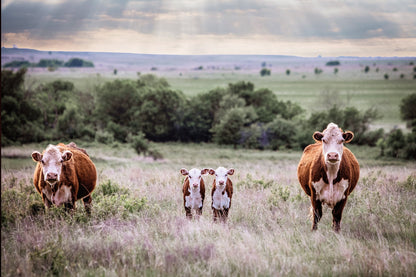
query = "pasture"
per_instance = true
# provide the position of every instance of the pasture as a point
(138, 225)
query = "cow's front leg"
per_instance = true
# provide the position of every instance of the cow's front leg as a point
(188, 212)
(317, 213)
(337, 214)
(46, 201)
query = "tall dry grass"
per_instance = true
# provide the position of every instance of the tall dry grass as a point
(138, 225)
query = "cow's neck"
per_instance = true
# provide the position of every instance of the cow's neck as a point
(331, 173)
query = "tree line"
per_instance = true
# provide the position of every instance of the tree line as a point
(149, 109)
(51, 63)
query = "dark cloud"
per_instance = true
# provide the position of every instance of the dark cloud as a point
(289, 19)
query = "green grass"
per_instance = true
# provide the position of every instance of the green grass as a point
(138, 225)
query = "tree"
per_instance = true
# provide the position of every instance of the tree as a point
(51, 99)
(161, 114)
(408, 108)
(19, 114)
(228, 130)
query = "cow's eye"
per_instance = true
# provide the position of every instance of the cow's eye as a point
(323, 140)
(42, 161)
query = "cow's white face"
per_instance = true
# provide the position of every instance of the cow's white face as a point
(221, 175)
(51, 162)
(194, 176)
(333, 139)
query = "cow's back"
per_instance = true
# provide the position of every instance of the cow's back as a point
(312, 154)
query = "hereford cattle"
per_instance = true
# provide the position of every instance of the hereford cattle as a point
(222, 193)
(63, 175)
(328, 172)
(193, 191)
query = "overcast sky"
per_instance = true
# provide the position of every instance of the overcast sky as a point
(287, 27)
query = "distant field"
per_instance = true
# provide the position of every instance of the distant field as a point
(313, 93)
(139, 226)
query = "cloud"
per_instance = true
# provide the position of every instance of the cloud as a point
(283, 20)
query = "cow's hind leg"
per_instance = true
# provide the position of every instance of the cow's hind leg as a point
(317, 213)
(87, 204)
(337, 215)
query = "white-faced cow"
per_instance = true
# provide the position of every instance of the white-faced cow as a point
(328, 172)
(222, 193)
(63, 175)
(193, 191)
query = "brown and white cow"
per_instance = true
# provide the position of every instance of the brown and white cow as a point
(63, 175)
(193, 191)
(221, 193)
(328, 172)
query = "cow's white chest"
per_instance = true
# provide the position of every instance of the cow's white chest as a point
(220, 200)
(323, 192)
(194, 200)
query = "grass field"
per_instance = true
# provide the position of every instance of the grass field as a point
(138, 225)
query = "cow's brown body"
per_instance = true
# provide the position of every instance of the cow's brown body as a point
(313, 177)
(78, 174)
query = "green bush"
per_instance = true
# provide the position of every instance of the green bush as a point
(265, 72)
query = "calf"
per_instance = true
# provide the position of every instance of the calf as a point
(63, 175)
(328, 172)
(193, 191)
(222, 193)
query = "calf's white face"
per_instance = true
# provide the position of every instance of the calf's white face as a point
(333, 139)
(221, 175)
(51, 162)
(194, 176)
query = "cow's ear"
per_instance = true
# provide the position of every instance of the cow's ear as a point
(66, 156)
(204, 171)
(318, 136)
(211, 171)
(348, 136)
(36, 156)
(184, 171)
(230, 171)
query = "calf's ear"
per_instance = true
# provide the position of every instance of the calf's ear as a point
(66, 156)
(231, 171)
(211, 171)
(184, 171)
(318, 136)
(204, 171)
(36, 156)
(348, 136)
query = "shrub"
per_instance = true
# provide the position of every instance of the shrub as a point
(318, 71)
(104, 137)
(265, 72)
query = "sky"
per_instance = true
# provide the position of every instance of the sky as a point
(305, 28)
